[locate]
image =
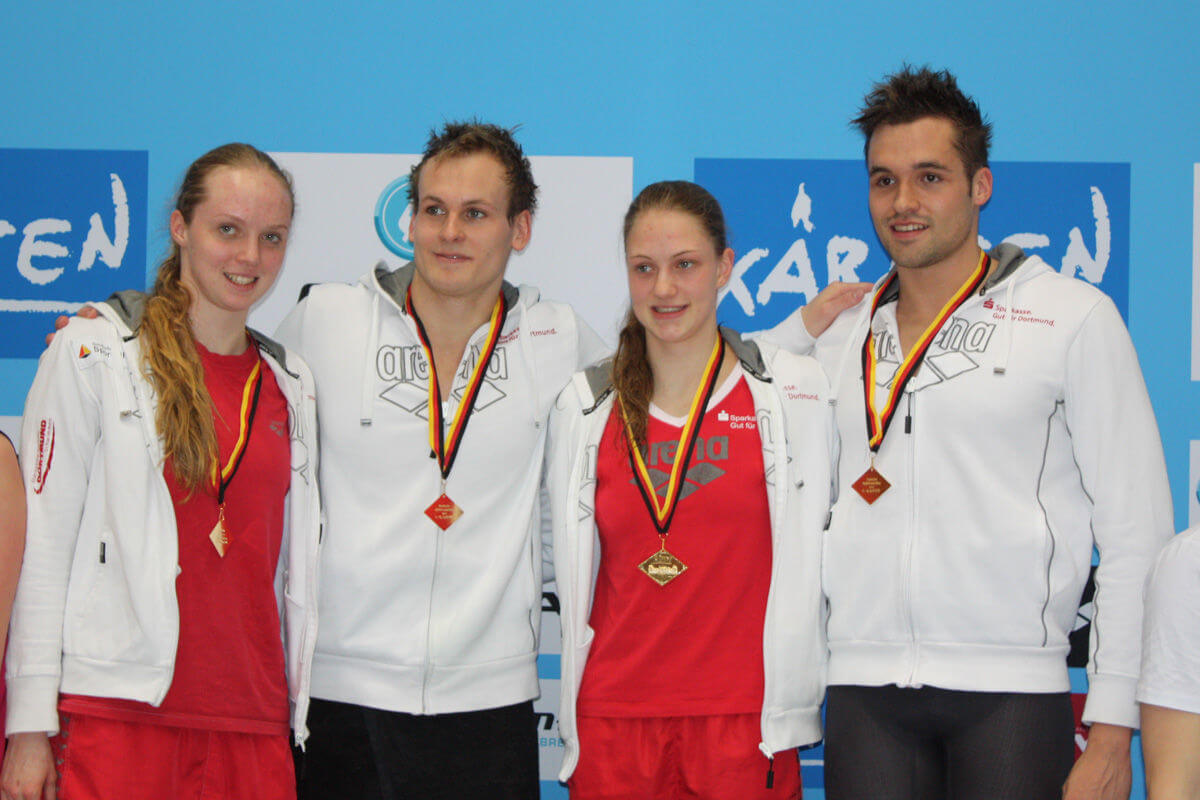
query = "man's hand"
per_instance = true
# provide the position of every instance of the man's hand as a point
(1103, 772)
(829, 303)
(29, 768)
(60, 322)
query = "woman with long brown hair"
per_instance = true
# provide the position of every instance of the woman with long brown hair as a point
(169, 463)
(690, 481)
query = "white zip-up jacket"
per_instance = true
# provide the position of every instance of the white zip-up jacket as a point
(415, 618)
(1025, 439)
(799, 443)
(96, 611)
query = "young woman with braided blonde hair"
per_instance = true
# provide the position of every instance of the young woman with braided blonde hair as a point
(169, 463)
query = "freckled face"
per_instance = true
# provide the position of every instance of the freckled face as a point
(462, 237)
(232, 249)
(924, 207)
(674, 276)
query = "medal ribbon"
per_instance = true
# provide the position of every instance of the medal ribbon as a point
(664, 512)
(443, 445)
(250, 394)
(879, 420)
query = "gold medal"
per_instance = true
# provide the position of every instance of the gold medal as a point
(870, 485)
(662, 567)
(219, 537)
(443, 512)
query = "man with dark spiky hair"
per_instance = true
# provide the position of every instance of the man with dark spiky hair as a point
(995, 429)
(430, 587)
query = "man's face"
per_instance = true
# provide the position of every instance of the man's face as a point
(925, 208)
(460, 230)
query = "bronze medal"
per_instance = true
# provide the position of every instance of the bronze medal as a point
(444, 512)
(219, 537)
(662, 567)
(443, 443)
(223, 476)
(870, 485)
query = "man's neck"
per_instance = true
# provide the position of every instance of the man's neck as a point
(449, 322)
(925, 291)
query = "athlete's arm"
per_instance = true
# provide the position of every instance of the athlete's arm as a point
(1170, 744)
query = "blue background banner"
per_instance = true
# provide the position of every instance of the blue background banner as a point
(72, 228)
(797, 224)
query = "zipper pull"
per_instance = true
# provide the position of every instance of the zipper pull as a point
(770, 773)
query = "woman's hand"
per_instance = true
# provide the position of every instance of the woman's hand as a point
(29, 772)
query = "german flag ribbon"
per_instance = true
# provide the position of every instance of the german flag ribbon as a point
(880, 419)
(443, 444)
(222, 478)
(250, 394)
(662, 513)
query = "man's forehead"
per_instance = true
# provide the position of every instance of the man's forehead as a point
(473, 175)
(922, 143)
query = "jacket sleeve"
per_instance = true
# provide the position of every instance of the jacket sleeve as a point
(59, 433)
(1116, 444)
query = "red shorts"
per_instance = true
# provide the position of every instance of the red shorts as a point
(100, 759)
(713, 757)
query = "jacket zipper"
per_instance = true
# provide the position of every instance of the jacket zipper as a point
(910, 541)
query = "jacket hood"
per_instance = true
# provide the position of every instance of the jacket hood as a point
(394, 283)
(599, 375)
(1010, 260)
(126, 308)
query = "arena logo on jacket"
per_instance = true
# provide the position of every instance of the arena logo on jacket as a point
(406, 372)
(797, 225)
(72, 229)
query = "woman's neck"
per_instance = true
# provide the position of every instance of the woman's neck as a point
(678, 369)
(220, 333)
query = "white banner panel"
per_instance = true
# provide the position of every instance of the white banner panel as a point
(350, 207)
(1193, 485)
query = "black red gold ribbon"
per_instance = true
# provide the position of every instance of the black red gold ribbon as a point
(662, 513)
(443, 444)
(879, 420)
(250, 393)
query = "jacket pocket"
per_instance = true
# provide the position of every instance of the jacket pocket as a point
(101, 623)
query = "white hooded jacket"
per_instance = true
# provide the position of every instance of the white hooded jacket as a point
(1025, 438)
(415, 618)
(96, 611)
(799, 449)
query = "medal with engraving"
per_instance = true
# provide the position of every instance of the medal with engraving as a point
(871, 484)
(223, 477)
(663, 567)
(444, 444)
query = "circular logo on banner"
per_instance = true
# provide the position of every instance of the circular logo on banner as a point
(392, 215)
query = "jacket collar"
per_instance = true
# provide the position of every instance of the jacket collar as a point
(599, 376)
